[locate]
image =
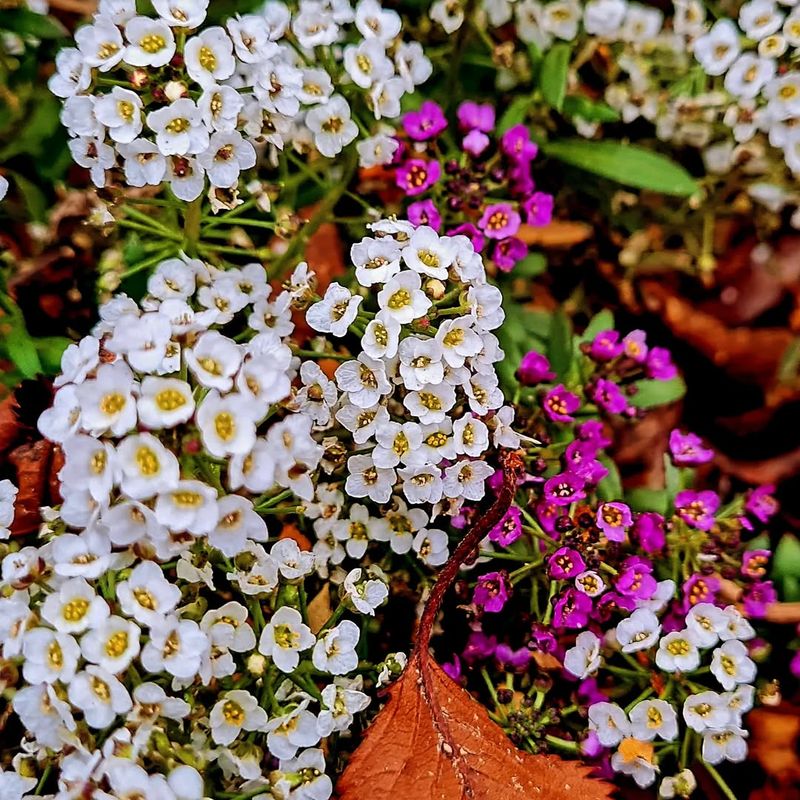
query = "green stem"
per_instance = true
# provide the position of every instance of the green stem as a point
(562, 744)
(720, 781)
(191, 225)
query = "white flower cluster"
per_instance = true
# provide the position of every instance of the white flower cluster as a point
(187, 104)
(422, 400)
(8, 494)
(717, 717)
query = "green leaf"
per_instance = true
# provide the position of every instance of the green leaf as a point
(514, 114)
(532, 265)
(786, 560)
(610, 488)
(22, 351)
(50, 350)
(553, 75)
(651, 393)
(28, 23)
(603, 321)
(648, 500)
(33, 196)
(590, 110)
(559, 344)
(625, 163)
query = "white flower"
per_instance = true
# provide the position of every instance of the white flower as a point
(431, 545)
(313, 27)
(238, 522)
(748, 74)
(374, 21)
(89, 464)
(726, 744)
(335, 312)
(284, 637)
(331, 125)
(255, 471)
(759, 18)
(719, 48)
(470, 436)
(677, 652)
(375, 260)
(735, 626)
(179, 128)
(49, 656)
(635, 761)
(99, 695)
(13, 785)
(385, 97)
(429, 254)
(420, 485)
(318, 395)
(251, 38)
(143, 163)
(365, 479)
(362, 422)
(107, 403)
(342, 701)
(639, 631)
(448, 13)
(739, 701)
(467, 479)
(220, 106)
(44, 714)
(366, 63)
(191, 506)
(152, 43)
(112, 645)
(87, 555)
(186, 177)
(731, 665)
(584, 658)
(228, 153)
(397, 442)
(431, 403)
(335, 650)
(680, 785)
(214, 360)
(100, 43)
(420, 361)
(609, 722)
(74, 607)
(604, 17)
(652, 718)
(561, 19)
(704, 622)
(72, 75)
(364, 381)
(92, 154)
(181, 13)
(366, 593)
(147, 595)
(226, 424)
(164, 402)
(381, 337)
(376, 150)
(293, 563)
(176, 646)
(147, 467)
(291, 731)
(642, 24)
(209, 56)
(79, 118)
(355, 531)
(705, 710)
(236, 711)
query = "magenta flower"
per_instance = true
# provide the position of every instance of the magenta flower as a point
(636, 579)
(426, 123)
(508, 252)
(559, 404)
(509, 529)
(542, 639)
(589, 692)
(608, 396)
(492, 591)
(475, 116)
(592, 432)
(794, 665)
(606, 346)
(514, 660)
(648, 530)
(754, 563)
(417, 175)
(475, 142)
(614, 519)
(580, 459)
(547, 513)
(659, 364)
(565, 563)
(517, 145)
(635, 346)
(471, 232)
(697, 509)
(534, 368)
(538, 209)
(499, 221)
(700, 589)
(761, 504)
(572, 609)
(479, 647)
(687, 449)
(424, 212)
(590, 746)
(453, 669)
(613, 603)
(564, 489)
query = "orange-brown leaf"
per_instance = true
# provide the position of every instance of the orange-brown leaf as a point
(32, 463)
(433, 741)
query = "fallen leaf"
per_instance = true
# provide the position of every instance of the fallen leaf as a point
(433, 741)
(319, 610)
(558, 233)
(32, 463)
(290, 531)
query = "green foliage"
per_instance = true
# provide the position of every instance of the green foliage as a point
(652, 393)
(786, 567)
(24, 22)
(560, 350)
(553, 75)
(590, 110)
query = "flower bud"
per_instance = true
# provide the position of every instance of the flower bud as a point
(256, 664)
(434, 288)
(174, 90)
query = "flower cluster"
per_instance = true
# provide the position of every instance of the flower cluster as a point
(482, 187)
(421, 402)
(190, 104)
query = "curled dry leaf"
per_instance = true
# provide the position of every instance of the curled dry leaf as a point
(33, 464)
(557, 234)
(433, 741)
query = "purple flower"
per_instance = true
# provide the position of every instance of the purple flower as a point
(754, 563)
(697, 509)
(559, 404)
(687, 449)
(608, 396)
(580, 459)
(417, 175)
(517, 145)
(700, 589)
(492, 591)
(635, 346)
(542, 639)
(520, 179)
(590, 746)
(592, 431)
(757, 597)
(479, 647)
(659, 364)
(475, 116)
(509, 529)
(453, 669)
(589, 693)
(475, 142)
(508, 252)
(636, 579)
(471, 232)
(572, 609)
(499, 221)
(515, 660)
(611, 603)
(794, 665)
(648, 530)
(761, 504)
(534, 368)
(426, 123)
(564, 489)
(565, 563)
(606, 346)
(424, 212)
(547, 513)
(614, 519)
(538, 209)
